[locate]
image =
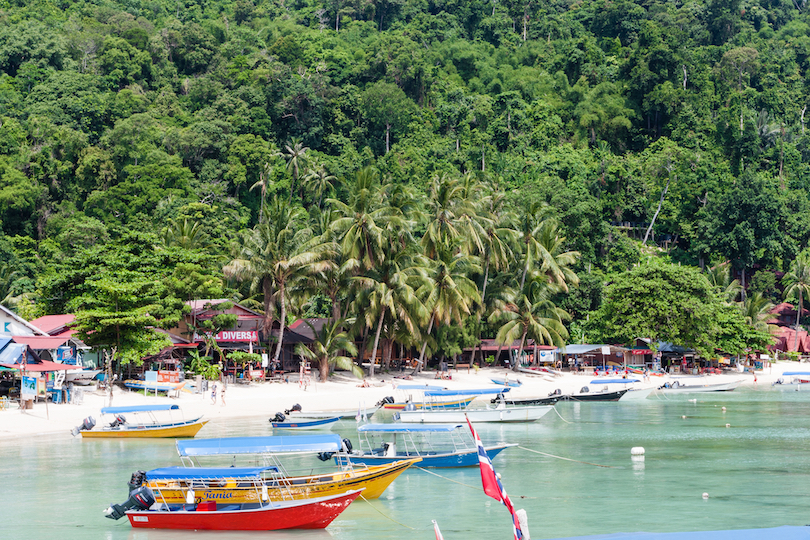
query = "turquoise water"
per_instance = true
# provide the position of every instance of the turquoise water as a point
(756, 472)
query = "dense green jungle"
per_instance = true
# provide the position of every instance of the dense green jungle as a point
(421, 172)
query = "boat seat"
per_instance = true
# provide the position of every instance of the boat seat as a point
(250, 506)
(229, 507)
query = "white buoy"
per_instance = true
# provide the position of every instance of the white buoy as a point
(728, 425)
(724, 409)
(523, 521)
(637, 451)
(693, 400)
(705, 495)
(684, 417)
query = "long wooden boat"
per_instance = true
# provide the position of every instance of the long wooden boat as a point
(678, 387)
(270, 449)
(504, 381)
(142, 424)
(271, 516)
(437, 445)
(304, 422)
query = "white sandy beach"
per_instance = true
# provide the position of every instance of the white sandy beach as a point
(264, 399)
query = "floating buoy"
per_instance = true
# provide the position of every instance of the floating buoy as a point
(728, 425)
(684, 417)
(693, 400)
(637, 451)
(724, 408)
(705, 495)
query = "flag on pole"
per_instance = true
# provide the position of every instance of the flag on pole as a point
(492, 482)
(437, 531)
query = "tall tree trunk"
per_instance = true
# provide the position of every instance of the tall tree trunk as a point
(323, 368)
(387, 137)
(267, 290)
(389, 349)
(658, 210)
(798, 316)
(376, 342)
(420, 362)
(282, 321)
(484, 303)
(498, 354)
(520, 350)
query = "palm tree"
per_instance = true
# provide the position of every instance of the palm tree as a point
(295, 154)
(757, 312)
(327, 347)
(531, 313)
(720, 278)
(443, 202)
(447, 292)
(186, 234)
(318, 181)
(797, 284)
(543, 245)
(274, 254)
(263, 183)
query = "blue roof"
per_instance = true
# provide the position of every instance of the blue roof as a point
(408, 428)
(471, 392)
(613, 381)
(206, 472)
(140, 408)
(276, 444)
(795, 373)
(419, 387)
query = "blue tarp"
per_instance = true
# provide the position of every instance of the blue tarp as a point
(408, 428)
(796, 373)
(277, 444)
(471, 392)
(613, 381)
(140, 408)
(12, 353)
(207, 472)
(780, 533)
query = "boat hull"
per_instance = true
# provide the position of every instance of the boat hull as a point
(691, 389)
(303, 514)
(451, 459)
(452, 404)
(636, 394)
(373, 481)
(153, 386)
(505, 382)
(310, 423)
(189, 429)
(81, 376)
(500, 414)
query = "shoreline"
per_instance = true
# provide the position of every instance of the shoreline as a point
(265, 399)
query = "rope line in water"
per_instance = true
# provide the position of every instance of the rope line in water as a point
(561, 418)
(387, 516)
(476, 488)
(565, 458)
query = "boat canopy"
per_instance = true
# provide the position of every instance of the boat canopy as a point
(408, 428)
(614, 381)
(206, 472)
(796, 373)
(276, 444)
(419, 387)
(140, 408)
(471, 392)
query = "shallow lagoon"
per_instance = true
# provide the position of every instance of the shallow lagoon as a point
(757, 474)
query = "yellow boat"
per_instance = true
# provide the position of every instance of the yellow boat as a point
(145, 424)
(182, 485)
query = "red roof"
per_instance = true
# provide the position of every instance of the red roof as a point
(43, 365)
(51, 323)
(200, 309)
(39, 343)
(786, 340)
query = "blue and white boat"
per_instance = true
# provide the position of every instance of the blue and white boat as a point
(504, 381)
(439, 445)
(304, 422)
(631, 393)
(501, 411)
(793, 380)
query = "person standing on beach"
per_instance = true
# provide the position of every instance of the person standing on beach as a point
(222, 395)
(214, 394)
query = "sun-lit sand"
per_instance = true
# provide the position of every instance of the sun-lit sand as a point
(342, 392)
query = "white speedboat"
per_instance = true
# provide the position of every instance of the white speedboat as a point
(631, 393)
(793, 381)
(682, 387)
(82, 376)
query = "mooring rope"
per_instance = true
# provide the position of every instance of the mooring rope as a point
(477, 488)
(385, 515)
(565, 458)
(561, 418)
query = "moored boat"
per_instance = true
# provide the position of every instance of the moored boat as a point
(151, 386)
(438, 445)
(504, 381)
(632, 393)
(793, 380)
(143, 423)
(501, 412)
(270, 451)
(270, 516)
(297, 422)
(679, 387)
(419, 402)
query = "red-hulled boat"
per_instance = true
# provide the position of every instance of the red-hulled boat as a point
(274, 515)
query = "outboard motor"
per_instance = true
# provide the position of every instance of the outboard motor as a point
(294, 408)
(383, 401)
(87, 424)
(347, 446)
(120, 420)
(325, 456)
(556, 392)
(136, 481)
(140, 499)
(584, 390)
(279, 417)
(409, 407)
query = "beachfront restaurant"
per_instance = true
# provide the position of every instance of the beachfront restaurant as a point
(495, 354)
(589, 358)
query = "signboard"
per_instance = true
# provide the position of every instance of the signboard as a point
(29, 387)
(605, 351)
(233, 335)
(66, 355)
(265, 360)
(168, 376)
(256, 373)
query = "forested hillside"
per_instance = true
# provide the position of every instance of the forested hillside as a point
(139, 139)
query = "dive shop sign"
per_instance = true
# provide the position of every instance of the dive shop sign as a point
(233, 335)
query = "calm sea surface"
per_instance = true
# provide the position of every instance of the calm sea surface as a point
(756, 472)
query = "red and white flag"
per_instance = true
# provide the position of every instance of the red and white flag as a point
(492, 483)
(437, 531)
